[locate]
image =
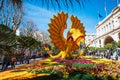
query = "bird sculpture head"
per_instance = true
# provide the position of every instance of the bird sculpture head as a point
(76, 35)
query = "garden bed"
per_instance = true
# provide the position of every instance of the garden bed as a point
(95, 69)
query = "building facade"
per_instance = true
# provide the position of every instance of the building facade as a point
(108, 30)
(90, 40)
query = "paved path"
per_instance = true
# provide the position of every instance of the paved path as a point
(20, 72)
(31, 60)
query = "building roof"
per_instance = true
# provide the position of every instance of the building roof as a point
(116, 9)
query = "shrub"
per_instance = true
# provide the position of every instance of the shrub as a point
(80, 65)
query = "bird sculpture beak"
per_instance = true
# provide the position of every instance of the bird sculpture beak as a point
(70, 38)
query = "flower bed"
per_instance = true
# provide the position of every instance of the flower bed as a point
(93, 66)
(74, 61)
(101, 69)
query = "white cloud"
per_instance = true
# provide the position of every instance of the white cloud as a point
(35, 10)
(40, 16)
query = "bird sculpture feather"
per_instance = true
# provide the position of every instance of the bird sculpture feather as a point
(75, 35)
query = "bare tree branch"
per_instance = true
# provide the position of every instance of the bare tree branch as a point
(29, 28)
(1, 6)
(11, 13)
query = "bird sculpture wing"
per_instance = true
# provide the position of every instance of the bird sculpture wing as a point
(56, 28)
(77, 28)
(77, 24)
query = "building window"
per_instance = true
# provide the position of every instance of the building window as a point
(119, 35)
(109, 23)
(104, 29)
(112, 24)
(99, 41)
(107, 29)
(119, 20)
(99, 31)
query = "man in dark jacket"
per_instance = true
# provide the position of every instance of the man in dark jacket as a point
(5, 63)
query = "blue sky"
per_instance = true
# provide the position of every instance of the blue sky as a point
(87, 14)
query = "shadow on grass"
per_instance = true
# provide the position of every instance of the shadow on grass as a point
(51, 77)
(77, 75)
(18, 70)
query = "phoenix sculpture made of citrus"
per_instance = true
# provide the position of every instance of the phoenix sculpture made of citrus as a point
(75, 36)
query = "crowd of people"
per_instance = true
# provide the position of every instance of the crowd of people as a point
(21, 57)
(108, 54)
(24, 56)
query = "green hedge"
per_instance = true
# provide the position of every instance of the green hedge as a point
(81, 65)
(76, 75)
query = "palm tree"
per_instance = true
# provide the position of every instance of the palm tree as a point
(48, 3)
(8, 17)
(62, 3)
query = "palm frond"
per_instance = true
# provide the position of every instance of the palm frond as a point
(47, 1)
(71, 3)
(1, 6)
(66, 4)
(53, 4)
(43, 2)
(78, 2)
(58, 4)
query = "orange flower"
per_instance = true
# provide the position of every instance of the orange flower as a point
(114, 75)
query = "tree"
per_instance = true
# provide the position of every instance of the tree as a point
(101, 49)
(108, 46)
(114, 45)
(92, 49)
(7, 38)
(45, 38)
(118, 44)
(27, 42)
(28, 28)
(11, 13)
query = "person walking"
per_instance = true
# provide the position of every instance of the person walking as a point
(5, 63)
(21, 56)
(34, 53)
(12, 62)
(27, 55)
